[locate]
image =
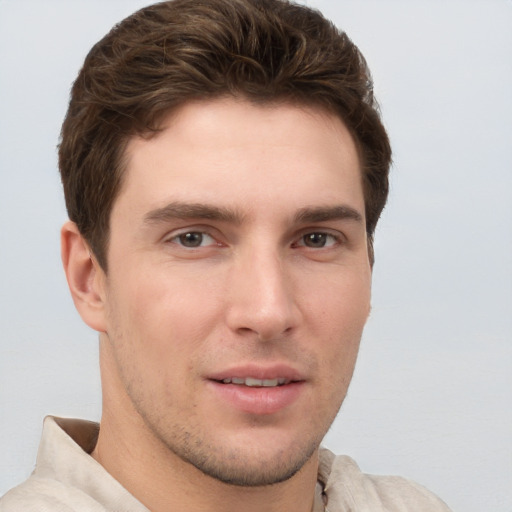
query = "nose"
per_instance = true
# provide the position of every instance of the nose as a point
(262, 300)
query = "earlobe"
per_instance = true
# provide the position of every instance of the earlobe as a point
(86, 279)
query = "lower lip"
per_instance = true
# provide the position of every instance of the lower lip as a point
(258, 400)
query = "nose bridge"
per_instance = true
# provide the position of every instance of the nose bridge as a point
(262, 299)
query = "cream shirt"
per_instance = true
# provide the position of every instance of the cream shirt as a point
(68, 479)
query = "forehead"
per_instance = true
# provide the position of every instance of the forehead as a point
(229, 148)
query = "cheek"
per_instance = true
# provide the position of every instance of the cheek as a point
(342, 312)
(163, 315)
(152, 340)
(343, 304)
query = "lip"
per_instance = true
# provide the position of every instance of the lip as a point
(257, 400)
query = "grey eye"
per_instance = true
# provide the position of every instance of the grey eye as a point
(192, 239)
(315, 239)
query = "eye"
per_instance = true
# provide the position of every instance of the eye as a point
(318, 240)
(193, 239)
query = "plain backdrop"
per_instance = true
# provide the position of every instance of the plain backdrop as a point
(431, 398)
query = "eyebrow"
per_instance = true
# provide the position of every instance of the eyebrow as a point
(178, 210)
(326, 213)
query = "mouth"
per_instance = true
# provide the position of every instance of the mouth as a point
(257, 390)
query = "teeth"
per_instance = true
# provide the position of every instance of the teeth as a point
(252, 382)
(249, 381)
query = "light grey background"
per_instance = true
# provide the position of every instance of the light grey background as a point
(432, 395)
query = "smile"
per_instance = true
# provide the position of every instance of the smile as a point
(256, 383)
(256, 396)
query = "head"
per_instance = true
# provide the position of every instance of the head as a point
(168, 54)
(225, 166)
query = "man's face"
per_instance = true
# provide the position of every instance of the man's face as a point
(238, 286)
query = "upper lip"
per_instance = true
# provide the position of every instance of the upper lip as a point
(261, 372)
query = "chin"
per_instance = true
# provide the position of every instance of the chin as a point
(238, 468)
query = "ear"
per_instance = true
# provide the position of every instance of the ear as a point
(86, 279)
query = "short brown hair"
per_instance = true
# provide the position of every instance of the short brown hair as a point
(172, 52)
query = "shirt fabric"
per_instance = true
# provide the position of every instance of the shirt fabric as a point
(68, 479)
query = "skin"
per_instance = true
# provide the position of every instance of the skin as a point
(237, 241)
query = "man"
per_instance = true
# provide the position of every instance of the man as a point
(224, 168)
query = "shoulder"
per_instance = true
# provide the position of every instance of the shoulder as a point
(346, 485)
(46, 495)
